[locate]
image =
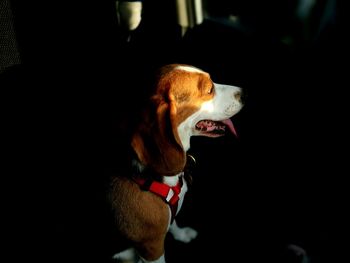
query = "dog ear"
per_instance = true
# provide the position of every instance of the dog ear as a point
(156, 141)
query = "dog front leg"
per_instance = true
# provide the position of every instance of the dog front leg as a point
(159, 260)
(131, 256)
(183, 234)
(126, 256)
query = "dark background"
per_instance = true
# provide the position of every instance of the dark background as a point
(283, 181)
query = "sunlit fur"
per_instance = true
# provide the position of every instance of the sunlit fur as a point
(183, 96)
(221, 106)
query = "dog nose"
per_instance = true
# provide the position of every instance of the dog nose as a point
(240, 96)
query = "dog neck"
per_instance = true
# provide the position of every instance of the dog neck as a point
(141, 170)
(184, 132)
(172, 180)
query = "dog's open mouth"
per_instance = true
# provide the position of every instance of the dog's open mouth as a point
(215, 128)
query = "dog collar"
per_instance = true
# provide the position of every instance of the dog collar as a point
(170, 194)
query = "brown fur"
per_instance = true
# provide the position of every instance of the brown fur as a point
(178, 95)
(141, 216)
(136, 217)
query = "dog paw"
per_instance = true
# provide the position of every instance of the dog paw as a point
(126, 256)
(185, 234)
(296, 254)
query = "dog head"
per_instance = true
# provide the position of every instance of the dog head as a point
(186, 103)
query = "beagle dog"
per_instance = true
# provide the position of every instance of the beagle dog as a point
(186, 103)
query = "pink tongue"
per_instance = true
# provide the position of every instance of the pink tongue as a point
(229, 123)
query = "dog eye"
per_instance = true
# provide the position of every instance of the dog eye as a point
(210, 91)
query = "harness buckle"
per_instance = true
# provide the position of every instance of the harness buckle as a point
(170, 195)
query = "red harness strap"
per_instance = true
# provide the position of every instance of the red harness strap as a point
(170, 194)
